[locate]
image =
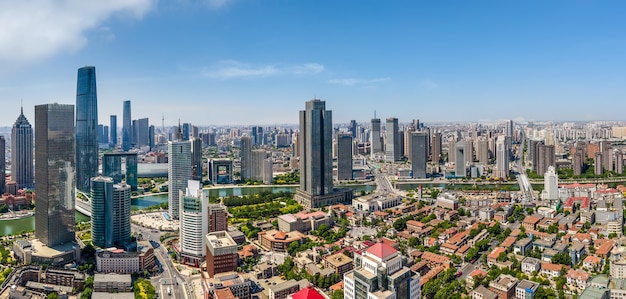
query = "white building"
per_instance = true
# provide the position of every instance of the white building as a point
(381, 261)
(550, 185)
(194, 224)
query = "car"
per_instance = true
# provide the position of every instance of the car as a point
(459, 273)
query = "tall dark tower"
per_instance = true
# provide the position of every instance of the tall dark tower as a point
(55, 175)
(86, 128)
(3, 165)
(22, 152)
(127, 131)
(113, 135)
(316, 160)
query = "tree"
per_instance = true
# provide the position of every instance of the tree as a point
(53, 295)
(338, 294)
(562, 258)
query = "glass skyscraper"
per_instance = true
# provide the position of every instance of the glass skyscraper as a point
(86, 128)
(55, 175)
(127, 131)
(110, 212)
(178, 172)
(113, 127)
(22, 152)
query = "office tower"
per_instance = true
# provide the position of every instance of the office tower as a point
(194, 132)
(451, 150)
(406, 142)
(196, 159)
(376, 144)
(110, 212)
(469, 150)
(619, 162)
(258, 156)
(508, 131)
(3, 165)
(546, 158)
(415, 125)
(112, 167)
(436, 147)
(578, 161)
(597, 164)
(127, 131)
(380, 273)
(221, 253)
(316, 163)
(178, 172)
(352, 128)
(113, 127)
(151, 137)
(142, 130)
(193, 224)
(218, 218)
(418, 154)
(482, 151)
(257, 135)
(459, 162)
(55, 175)
(502, 158)
(22, 152)
(86, 128)
(344, 157)
(101, 134)
(186, 131)
(245, 154)
(550, 185)
(268, 171)
(392, 140)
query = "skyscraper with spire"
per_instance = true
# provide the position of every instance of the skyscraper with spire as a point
(86, 128)
(22, 152)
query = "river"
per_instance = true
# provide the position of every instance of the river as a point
(9, 227)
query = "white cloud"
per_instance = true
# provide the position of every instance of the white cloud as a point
(355, 81)
(231, 69)
(429, 84)
(37, 29)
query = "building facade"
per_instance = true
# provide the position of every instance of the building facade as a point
(86, 128)
(178, 171)
(55, 175)
(22, 167)
(344, 157)
(392, 140)
(419, 154)
(193, 224)
(221, 253)
(127, 129)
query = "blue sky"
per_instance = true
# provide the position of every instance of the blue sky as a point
(218, 62)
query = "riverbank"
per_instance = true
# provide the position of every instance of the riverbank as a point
(16, 215)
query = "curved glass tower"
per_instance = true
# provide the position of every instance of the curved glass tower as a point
(101, 211)
(86, 128)
(126, 127)
(22, 152)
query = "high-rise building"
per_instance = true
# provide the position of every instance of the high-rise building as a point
(376, 144)
(22, 152)
(257, 135)
(127, 130)
(619, 162)
(379, 273)
(258, 156)
(221, 253)
(597, 164)
(245, 154)
(142, 132)
(392, 140)
(186, 131)
(550, 185)
(113, 134)
(509, 129)
(110, 212)
(344, 157)
(151, 137)
(3, 165)
(316, 164)
(436, 147)
(482, 151)
(418, 154)
(460, 169)
(469, 150)
(352, 128)
(406, 142)
(502, 158)
(179, 172)
(268, 171)
(193, 224)
(218, 218)
(112, 167)
(55, 157)
(196, 159)
(121, 213)
(86, 128)
(578, 161)
(546, 158)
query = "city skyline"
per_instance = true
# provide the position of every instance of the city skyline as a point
(495, 61)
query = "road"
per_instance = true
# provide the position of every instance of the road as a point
(169, 277)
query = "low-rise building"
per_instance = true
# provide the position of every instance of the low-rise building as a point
(530, 265)
(577, 278)
(112, 283)
(522, 246)
(526, 289)
(304, 222)
(221, 253)
(339, 263)
(282, 290)
(482, 292)
(279, 241)
(504, 286)
(124, 262)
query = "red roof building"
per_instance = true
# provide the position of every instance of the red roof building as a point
(307, 293)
